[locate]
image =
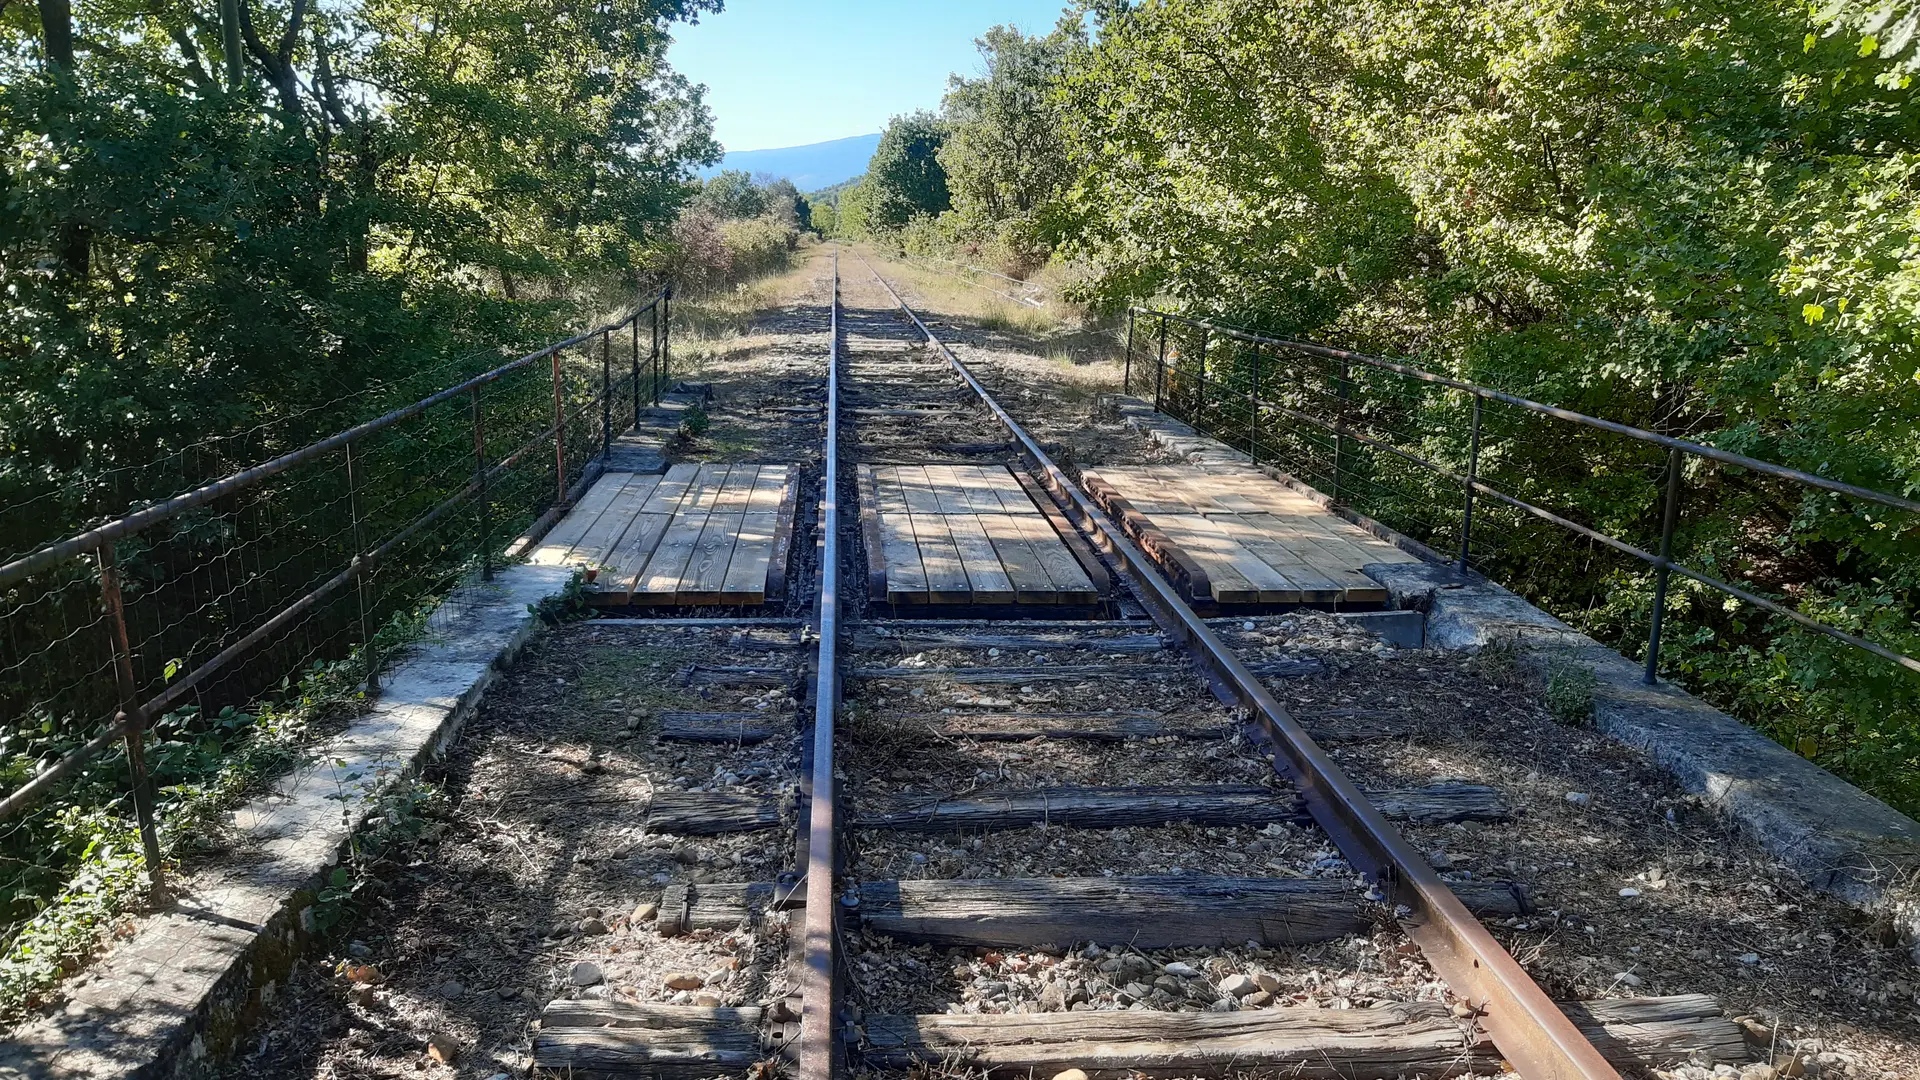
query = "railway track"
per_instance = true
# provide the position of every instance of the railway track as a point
(1033, 845)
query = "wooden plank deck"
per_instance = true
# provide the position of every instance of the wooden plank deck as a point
(698, 535)
(1253, 539)
(966, 534)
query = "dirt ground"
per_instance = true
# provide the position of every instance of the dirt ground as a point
(532, 857)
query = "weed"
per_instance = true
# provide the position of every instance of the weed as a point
(567, 605)
(695, 421)
(1570, 691)
(1498, 662)
(202, 766)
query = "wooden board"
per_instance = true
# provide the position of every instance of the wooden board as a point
(1251, 539)
(668, 1042)
(705, 813)
(1419, 1038)
(1161, 912)
(737, 728)
(698, 535)
(966, 534)
(1126, 807)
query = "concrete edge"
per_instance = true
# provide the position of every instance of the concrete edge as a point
(180, 993)
(1834, 836)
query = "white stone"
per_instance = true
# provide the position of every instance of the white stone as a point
(1238, 985)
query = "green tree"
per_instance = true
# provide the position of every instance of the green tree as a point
(1696, 217)
(1006, 156)
(732, 195)
(904, 178)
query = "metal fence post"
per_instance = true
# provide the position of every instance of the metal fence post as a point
(134, 721)
(480, 480)
(1126, 374)
(1664, 568)
(653, 359)
(636, 370)
(666, 333)
(1160, 372)
(1340, 431)
(559, 435)
(1206, 384)
(1253, 409)
(606, 394)
(1473, 477)
(361, 570)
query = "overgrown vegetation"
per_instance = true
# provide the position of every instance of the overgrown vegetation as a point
(736, 229)
(208, 259)
(1697, 218)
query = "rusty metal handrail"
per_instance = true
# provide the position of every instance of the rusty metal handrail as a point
(1472, 485)
(83, 543)
(1694, 449)
(131, 721)
(1525, 1024)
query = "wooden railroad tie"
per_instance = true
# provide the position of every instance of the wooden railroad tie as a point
(1146, 912)
(1000, 676)
(1332, 726)
(1125, 807)
(710, 813)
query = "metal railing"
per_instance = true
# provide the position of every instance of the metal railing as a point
(1244, 397)
(220, 624)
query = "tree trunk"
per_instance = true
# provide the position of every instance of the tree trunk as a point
(73, 242)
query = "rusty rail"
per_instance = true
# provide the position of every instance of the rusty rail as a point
(819, 1048)
(1524, 1023)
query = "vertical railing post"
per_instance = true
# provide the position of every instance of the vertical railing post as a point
(636, 370)
(606, 394)
(1253, 409)
(1340, 431)
(480, 481)
(1126, 372)
(1205, 384)
(654, 358)
(666, 333)
(360, 571)
(133, 721)
(1160, 372)
(1663, 569)
(559, 434)
(1473, 477)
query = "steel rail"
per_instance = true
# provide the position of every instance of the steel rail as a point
(817, 1004)
(36, 561)
(1725, 457)
(1526, 1026)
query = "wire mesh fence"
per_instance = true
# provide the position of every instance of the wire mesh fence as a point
(141, 658)
(1502, 483)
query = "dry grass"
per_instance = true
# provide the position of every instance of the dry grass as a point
(723, 322)
(1055, 344)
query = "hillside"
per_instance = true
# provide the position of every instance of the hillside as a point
(810, 167)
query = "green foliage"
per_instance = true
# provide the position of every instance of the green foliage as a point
(904, 178)
(695, 422)
(196, 276)
(1570, 688)
(1006, 155)
(732, 194)
(1698, 218)
(567, 605)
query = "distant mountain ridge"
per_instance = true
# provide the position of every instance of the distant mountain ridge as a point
(810, 167)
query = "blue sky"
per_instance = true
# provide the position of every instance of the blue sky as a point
(791, 72)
